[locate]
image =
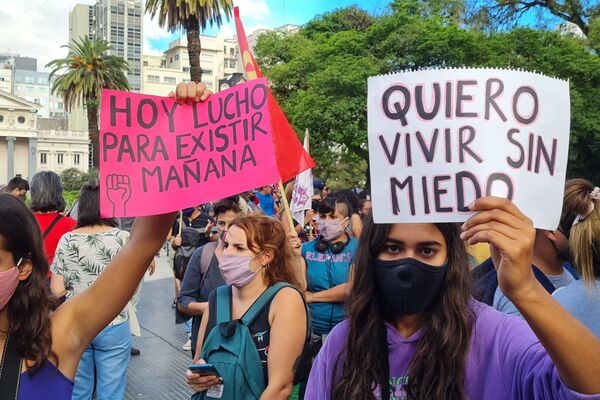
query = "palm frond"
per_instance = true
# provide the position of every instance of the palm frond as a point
(87, 70)
(175, 13)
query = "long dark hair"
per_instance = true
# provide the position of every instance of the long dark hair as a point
(88, 207)
(29, 307)
(437, 370)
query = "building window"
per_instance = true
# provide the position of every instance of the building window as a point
(153, 78)
(1, 119)
(176, 57)
(232, 52)
(21, 120)
(186, 69)
(170, 59)
(43, 158)
(76, 159)
(225, 49)
(171, 80)
(231, 63)
(60, 158)
(145, 63)
(207, 71)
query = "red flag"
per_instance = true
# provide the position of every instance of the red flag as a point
(291, 157)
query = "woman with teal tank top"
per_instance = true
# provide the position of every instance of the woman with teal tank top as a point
(39, 350)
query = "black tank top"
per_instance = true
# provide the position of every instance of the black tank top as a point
(259, 328)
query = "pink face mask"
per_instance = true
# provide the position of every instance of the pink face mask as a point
(236, 270)
(9, 280)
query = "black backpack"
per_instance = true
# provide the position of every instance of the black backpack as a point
(190, 240)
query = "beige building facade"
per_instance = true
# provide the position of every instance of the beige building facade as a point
(218, 59)
(24, 149)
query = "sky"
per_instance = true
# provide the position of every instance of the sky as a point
(38, 28)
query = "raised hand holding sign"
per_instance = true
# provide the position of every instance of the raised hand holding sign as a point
(174, 155)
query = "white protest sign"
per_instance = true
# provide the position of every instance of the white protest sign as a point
(438, 139)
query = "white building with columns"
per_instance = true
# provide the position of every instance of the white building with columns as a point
(24, 149)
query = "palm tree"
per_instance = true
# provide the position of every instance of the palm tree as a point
(81, 76)
(189, 15)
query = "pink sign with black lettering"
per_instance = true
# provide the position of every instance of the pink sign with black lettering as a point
(158, 156)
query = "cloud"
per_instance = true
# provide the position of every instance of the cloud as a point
(36, 28)
(256, 10)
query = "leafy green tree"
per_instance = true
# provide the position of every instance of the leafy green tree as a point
(81, 76)
(72, 179)
(190, 15)
(319, 75)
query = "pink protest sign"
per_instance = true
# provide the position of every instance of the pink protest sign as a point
(158, 156)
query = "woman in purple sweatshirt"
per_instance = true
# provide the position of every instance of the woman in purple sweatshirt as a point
(414, 332)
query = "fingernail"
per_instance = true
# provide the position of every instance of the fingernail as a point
(463, 226)
(463, 235)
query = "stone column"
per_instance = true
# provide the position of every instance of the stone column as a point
(32, 157)
(10, 152)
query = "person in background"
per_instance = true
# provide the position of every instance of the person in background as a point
(266, 200)
(18, 187)
(582, 298)
(81, 256)
(48, 204)
(250, 198)
(353, 202)
(327, 263)
(125, 224)
(551, 265)
(258, 255)
(318, 186)
(365, 208)
(199, 280)
(414, 331)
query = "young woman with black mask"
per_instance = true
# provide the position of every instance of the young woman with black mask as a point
(414, 331)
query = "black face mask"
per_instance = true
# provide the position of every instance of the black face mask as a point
(409, 286)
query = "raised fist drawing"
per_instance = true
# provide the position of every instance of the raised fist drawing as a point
(118, 191)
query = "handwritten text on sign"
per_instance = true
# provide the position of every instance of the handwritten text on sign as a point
(158, 156)
(439, 139)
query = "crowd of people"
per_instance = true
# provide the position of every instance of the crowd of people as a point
(335, 307)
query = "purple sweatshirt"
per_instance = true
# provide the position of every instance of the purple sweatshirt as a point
(505, 361)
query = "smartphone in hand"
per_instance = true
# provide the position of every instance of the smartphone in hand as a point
(204, 369)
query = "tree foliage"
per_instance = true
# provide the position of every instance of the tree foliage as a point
(73, 178)
(320, 74)
(81, 76)
(190, 15)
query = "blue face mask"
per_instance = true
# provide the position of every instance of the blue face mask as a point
(407, 285)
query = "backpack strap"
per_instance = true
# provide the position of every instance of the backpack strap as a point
(223, 304)
(10, 371)
(51, 226)
(261, 302)
(208, 252)
(569, 267)
(543, 279)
